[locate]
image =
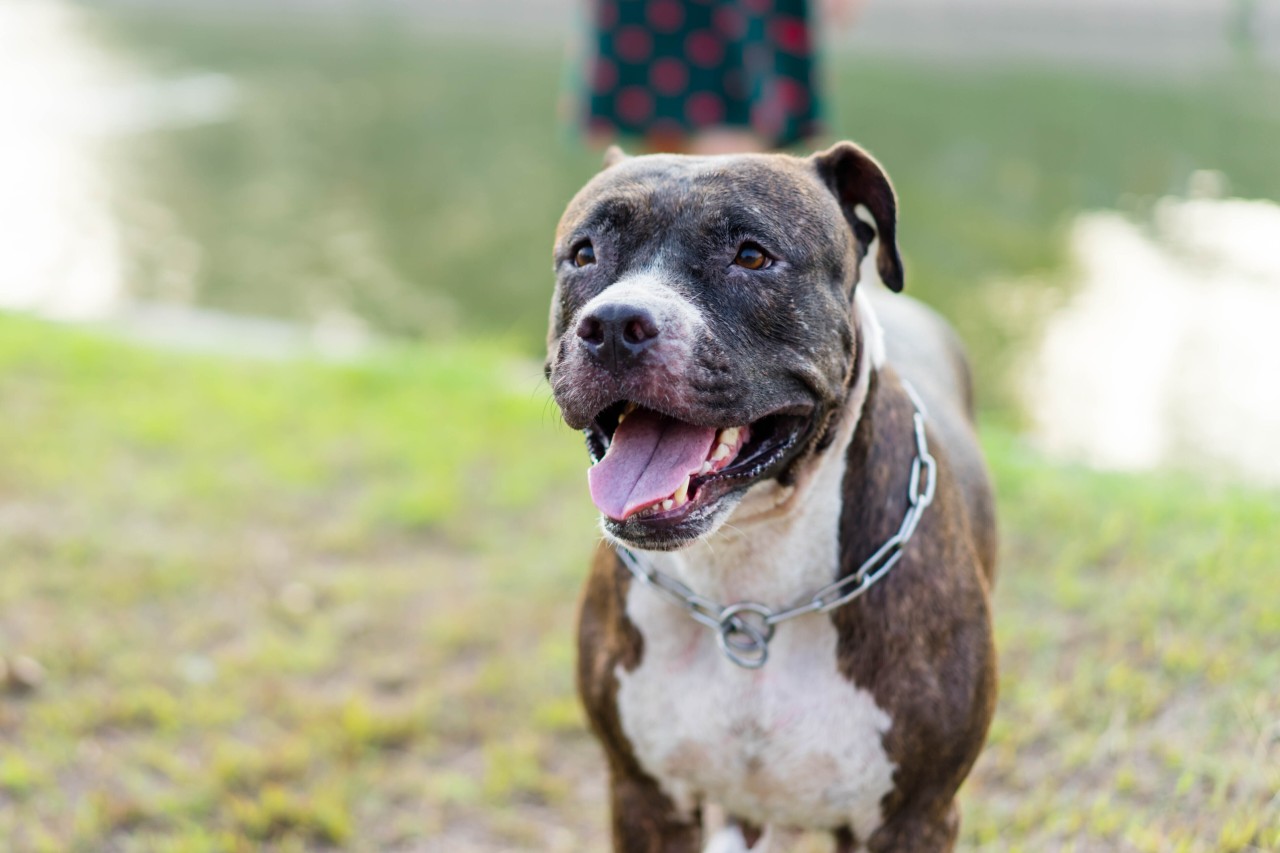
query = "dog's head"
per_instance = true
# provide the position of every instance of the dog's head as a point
(702, 328)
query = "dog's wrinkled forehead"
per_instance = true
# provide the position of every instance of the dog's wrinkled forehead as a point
(701, 203)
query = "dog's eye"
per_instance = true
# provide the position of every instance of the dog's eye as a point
(584, 255)
(752, 257)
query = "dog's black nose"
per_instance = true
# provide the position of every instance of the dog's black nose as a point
(616, 334)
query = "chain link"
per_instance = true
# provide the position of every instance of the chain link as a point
(744, 629)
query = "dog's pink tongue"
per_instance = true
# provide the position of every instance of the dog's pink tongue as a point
(648, 459)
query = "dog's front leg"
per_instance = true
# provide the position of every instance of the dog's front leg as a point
(646, 821)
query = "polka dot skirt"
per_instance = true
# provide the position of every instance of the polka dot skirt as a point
(674, 67)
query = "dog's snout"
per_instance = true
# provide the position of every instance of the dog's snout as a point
(616, 334)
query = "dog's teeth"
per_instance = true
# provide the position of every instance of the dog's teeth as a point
(722, 452)
(705, 469)
(668, 504)
(729, 436)
(630, 407)
(681, 495)
(621, 417)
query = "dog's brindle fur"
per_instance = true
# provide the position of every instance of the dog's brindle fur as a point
(919, 643)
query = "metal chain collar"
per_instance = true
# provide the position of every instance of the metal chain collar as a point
(744, 629)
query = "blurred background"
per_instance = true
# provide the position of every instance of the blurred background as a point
(290, 532)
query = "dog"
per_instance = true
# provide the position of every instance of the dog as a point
(787, 622)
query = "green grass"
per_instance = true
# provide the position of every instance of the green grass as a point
(280, 601)
(303, 605)
(416, 180)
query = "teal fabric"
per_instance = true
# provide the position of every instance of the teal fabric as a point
(663, 68)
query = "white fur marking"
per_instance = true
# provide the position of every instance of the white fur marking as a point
(872, 332)
(794, 743)
(647, 289)
(728, 840)
(869, 271)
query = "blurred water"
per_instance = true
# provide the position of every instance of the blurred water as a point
(60, 96)
(1159, 36)
(315, 192)
(63, 257)
(1166, 37)
(60, 254)
(1168, 352)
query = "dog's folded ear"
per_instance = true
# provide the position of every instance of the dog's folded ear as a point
(857, 180)
(613, 155)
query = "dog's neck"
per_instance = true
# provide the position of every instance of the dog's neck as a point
(782, 542)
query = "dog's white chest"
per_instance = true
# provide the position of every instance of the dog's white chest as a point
(793, 743)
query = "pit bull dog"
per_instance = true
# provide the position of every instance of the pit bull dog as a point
(788, 621)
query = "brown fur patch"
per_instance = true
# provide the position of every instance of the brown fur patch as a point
(645, 820)
(920, 640)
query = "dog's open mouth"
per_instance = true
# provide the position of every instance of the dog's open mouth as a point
(655, 468)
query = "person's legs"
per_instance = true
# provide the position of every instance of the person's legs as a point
(717, 140)
(726, 140)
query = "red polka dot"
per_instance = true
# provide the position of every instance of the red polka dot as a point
(793, 95)
(703, 48)
(604, 76)
(633, 44)
(791, 35)
(665, 16)
(635, 105)
(704, 108)
(729, 22)
(606, 14)
(767, 117)
(669, 76)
